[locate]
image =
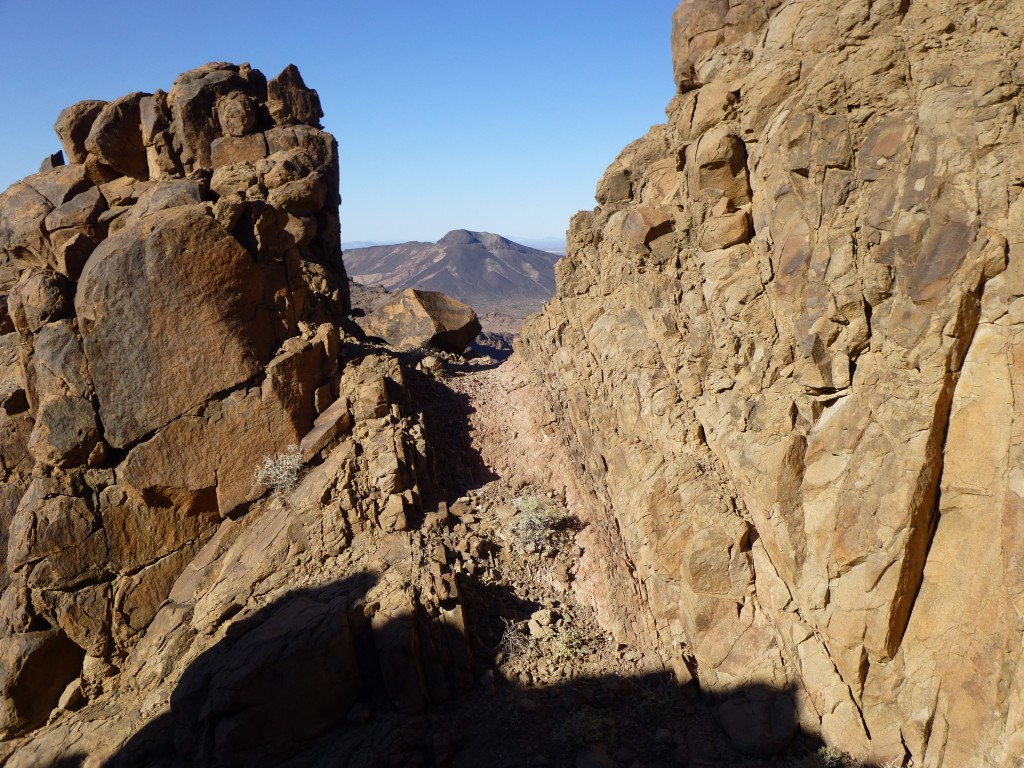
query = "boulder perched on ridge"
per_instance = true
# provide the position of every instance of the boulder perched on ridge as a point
(423, 319)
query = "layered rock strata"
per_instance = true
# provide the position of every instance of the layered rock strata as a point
(175, 321)
(785, 352)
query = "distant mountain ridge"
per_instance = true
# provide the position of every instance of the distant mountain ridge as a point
(489, 272)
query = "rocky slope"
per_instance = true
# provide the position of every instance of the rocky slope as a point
(490, 273)
(177, 319)
(785, 351)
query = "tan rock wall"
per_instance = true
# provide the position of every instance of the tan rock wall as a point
(783, 349)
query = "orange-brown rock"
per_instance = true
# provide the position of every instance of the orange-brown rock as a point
(176, 270)
(423, 319)
(34, 673)
(115, 138)
(73, 126)
(159, 344)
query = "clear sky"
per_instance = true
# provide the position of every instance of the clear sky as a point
(478, 114)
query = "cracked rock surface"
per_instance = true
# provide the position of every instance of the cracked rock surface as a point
(172, 313)
(784, 350)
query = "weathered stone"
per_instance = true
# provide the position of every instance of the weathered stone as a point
(56, 539)
(154, 117)
(161, 154)
(614, 186)
(122, 191)
(58, 185)
(172, 193)
(719, 159)
(83, 615)
(210, 461)
(58, 366)
(335, 420)
(302, 196)
(137, 288)
(82, 209)
(291, 102)
(15, 430)
(139, 596)
(133, 313)
(238, 149)
(725, 231)
(238, 179)
(115, 138)
(40, 297)
(66, 433)
(423, 318)
(824, 351)
(22, 238)
(646, 224)
(71, 249)
(10, 494)
(319, 147)
(192, 101)
(236, 114)
(73, 126)
(139, 535)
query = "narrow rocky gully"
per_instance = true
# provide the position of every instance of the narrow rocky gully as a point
(554, 688)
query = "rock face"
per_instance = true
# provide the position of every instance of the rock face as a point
(786, 347)
(175, 314)
(423, 319)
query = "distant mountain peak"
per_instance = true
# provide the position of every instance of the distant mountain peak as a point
(486, 271)
(460, 237)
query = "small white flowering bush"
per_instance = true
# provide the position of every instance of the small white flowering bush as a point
(537, 522)
(281, 471)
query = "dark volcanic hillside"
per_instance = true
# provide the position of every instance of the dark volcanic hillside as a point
(488, 272)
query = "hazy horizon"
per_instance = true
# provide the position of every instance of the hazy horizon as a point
(540, 243)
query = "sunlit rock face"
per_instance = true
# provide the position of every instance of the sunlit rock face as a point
(786, 350)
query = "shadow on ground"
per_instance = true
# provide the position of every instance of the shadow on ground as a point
(455, 465)
(306, 682)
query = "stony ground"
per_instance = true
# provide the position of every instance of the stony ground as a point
(556, 688)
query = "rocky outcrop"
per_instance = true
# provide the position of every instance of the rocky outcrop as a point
(176, 320)
(783, 350)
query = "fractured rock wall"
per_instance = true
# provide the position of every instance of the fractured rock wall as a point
(175, 314)
(784, 351)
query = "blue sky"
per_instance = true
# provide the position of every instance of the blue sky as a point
(477, 114)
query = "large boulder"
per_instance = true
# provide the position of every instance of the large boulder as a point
(73, 127)
(115, 138)
(170, 313)
(423, 319)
